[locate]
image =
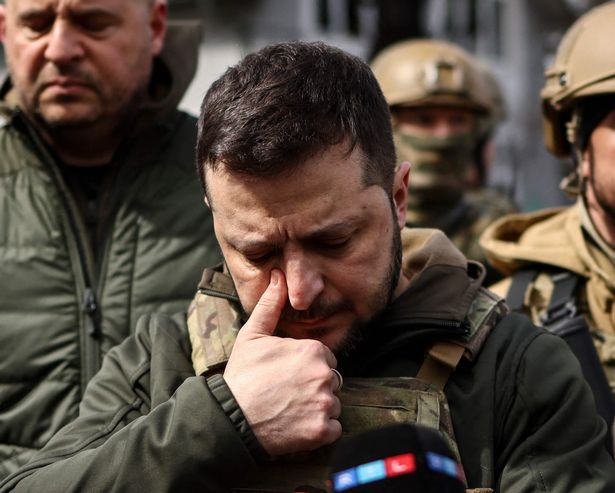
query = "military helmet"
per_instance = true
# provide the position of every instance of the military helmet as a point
(584, 66)
(428, 72)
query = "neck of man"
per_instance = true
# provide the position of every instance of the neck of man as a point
(87, 145)
(603, 220)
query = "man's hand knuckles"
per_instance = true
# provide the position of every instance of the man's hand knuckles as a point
(325, 403)
(317, 375)
(324, 431)
(337, 409)
(312, 348)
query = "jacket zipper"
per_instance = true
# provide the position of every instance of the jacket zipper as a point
(424, 327)
(431, 323)
(219, 294)
(114, 204)
(91, 349)
(90, 309)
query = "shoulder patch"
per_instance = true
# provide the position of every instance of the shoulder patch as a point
(213, 324)
(486, 311)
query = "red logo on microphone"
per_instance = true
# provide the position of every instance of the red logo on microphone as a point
(400, 464)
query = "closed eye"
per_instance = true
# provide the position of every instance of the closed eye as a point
(259, 258)
(94, 22)
(337, 243)
(333, 246)
(37, 23)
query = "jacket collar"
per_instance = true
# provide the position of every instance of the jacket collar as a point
(443, 283)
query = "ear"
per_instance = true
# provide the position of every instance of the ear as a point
(159, 16)
(400, 192)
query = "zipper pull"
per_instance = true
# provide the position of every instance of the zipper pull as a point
(89, 308)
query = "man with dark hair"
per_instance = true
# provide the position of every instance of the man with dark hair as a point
(246, 393)
(252, 141)
(100, 217)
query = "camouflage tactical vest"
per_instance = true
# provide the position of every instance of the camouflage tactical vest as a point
(367, 403)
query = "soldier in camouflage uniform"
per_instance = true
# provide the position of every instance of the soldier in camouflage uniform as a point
(579, 115)
(297, 160)
(445, 106)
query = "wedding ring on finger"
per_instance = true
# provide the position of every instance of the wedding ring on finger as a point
(340, 380)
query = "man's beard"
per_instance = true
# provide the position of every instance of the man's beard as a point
(602, 200)
(358, 331)
(122, 119)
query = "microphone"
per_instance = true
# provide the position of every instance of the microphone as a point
(400, 458)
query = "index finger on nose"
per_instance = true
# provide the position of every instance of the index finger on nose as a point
(266, 314)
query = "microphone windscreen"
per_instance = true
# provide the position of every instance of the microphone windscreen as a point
(400, 458)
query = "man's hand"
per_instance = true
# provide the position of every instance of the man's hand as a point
(284, 386)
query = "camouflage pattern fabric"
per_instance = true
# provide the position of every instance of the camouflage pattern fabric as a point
(483, 207)
(465, 223)
(439, 168)
(211, 347)
(366, 403)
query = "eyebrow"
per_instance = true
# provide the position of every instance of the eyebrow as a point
(332, 229)
(329, 230)
(34, 12)
(91, 12)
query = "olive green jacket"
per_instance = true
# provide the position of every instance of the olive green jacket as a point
(60, 311)
(523, 417)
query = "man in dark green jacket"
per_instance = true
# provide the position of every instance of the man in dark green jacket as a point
(297, 158)
(100, 216)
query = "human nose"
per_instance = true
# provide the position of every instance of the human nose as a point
(443, 128)
(63, 44)
(304, 281)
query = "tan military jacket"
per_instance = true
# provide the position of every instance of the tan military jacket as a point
(562, 237)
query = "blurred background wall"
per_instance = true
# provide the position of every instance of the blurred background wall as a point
(517, 38)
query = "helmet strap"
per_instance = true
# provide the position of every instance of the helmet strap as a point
(573, 184)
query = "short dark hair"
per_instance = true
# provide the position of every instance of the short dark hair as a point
(285, 103)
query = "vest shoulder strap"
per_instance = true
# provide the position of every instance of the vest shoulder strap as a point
(440, 362)
(562, 303)
(563, 300)
(518, 288)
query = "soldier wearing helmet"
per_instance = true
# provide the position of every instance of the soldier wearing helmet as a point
(445, 106)
(562, 261)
